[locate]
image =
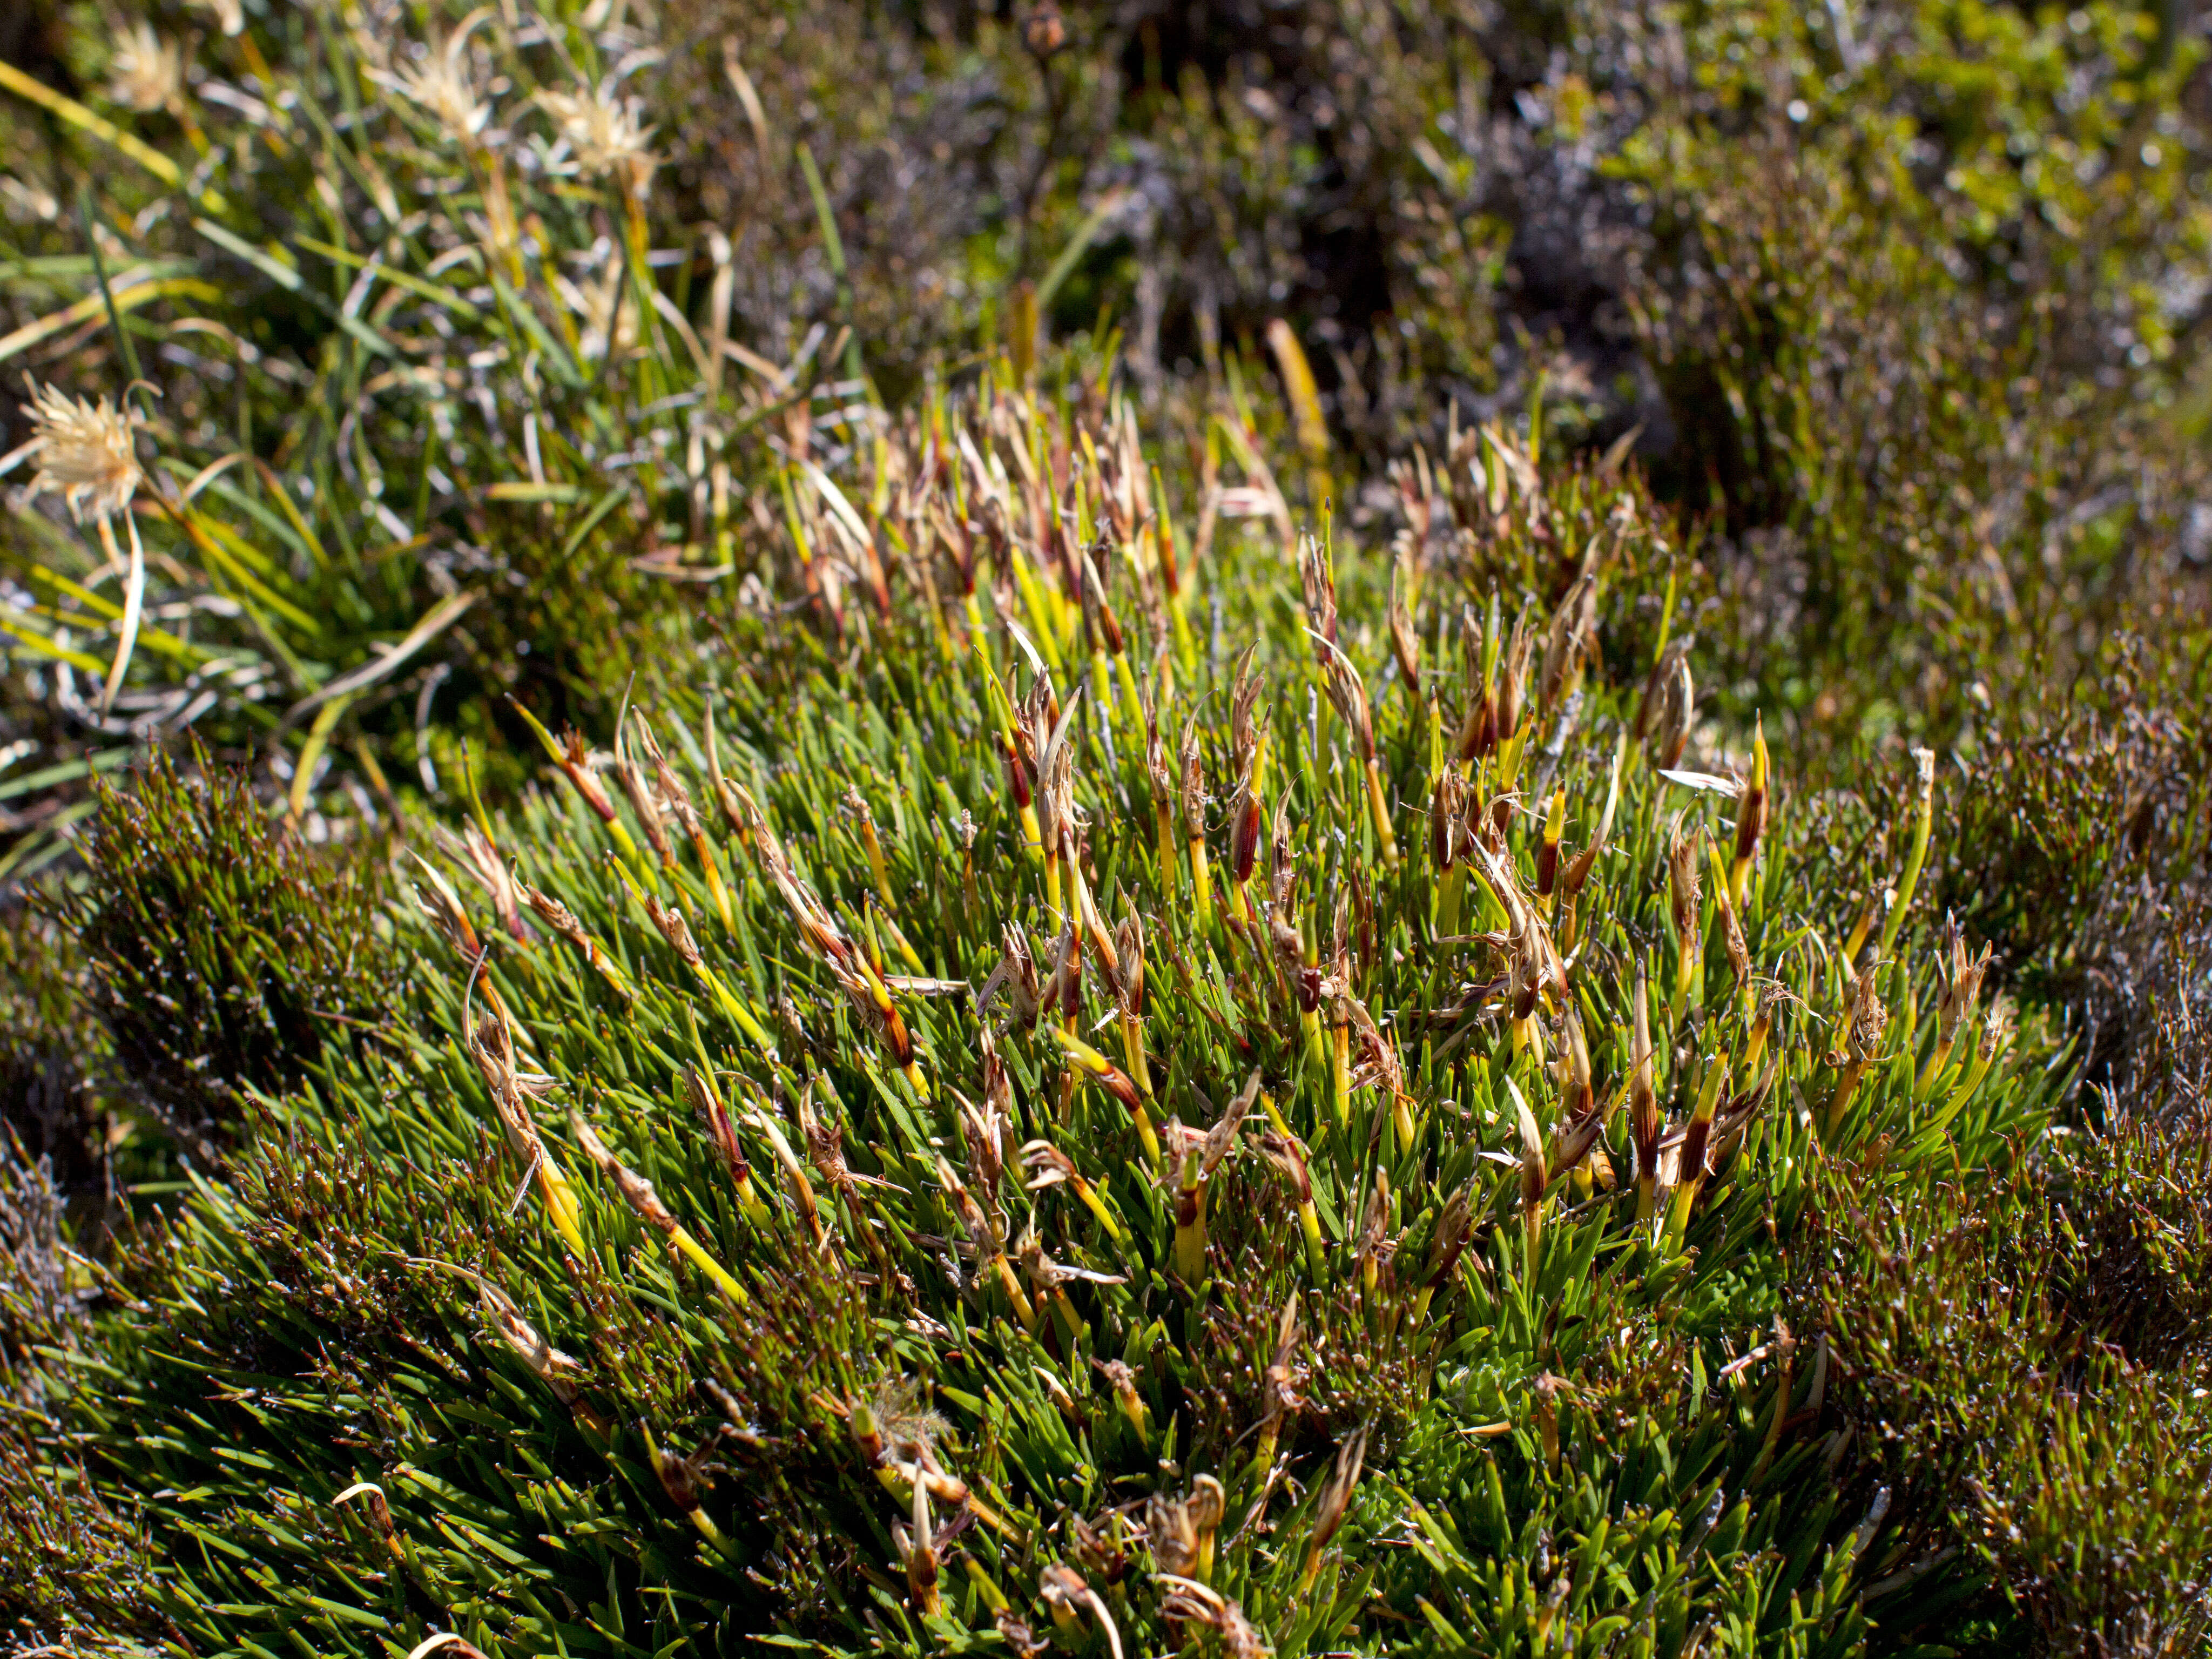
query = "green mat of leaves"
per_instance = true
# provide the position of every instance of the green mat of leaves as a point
(1054, 1120)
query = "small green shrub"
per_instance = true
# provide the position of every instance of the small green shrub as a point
(222, 955)
(37, 1307)
(74, 1571)
(50, 1048)
(74, 1568)
(2097, 1516)
(1999, 1359)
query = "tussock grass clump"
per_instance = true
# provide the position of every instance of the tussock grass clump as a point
(73, 1567)
(420, 424)
(1061, 1122)
(1998, 1360)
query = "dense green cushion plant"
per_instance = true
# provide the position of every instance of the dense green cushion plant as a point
(1037, 1127)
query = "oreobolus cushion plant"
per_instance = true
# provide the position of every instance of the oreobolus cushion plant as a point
(1130, 1089)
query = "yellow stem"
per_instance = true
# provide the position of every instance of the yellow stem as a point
(1379, 805)
(682, 1241)
(1201, 882)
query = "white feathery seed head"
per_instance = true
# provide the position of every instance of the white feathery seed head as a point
(604, 133)
(84, 451)
(230, 15)
(441, 85)
(146, 73)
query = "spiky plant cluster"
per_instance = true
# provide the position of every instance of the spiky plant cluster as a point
(1064, 1125)
(2020, 1379)
(219, 955)
(50, 1044)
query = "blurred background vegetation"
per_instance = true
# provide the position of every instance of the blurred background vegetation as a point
(1901, 306)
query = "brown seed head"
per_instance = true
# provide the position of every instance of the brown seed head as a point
(1129, 950)
(546, 1363)
(1683, 893)
(1534, 1177)
(1349, 696)
(1245, 839)
(1961, 978)
(1335, 1500)
(1047, 1166)
(1405, 643)
(1063, 990)
(1158, 771)
(1193, 783)
(1732, 938)
(1017, 973)
(674, 796)
(675, 929)
(1996, 1029)
(1569, 644)
(1577, 1095)
(1287, 1156)
(554, 915)
(1479, 733)
(442, 905)
(1448, 1242)
(475, 851)
(637, 1192)
(1317, 574)
(577, 762)
(1447, 807)
(1098, 614)
(1513, 677)
(1244, 696)
(1869, 1018)
(988, 1135)
(1663, 712)
(637, 789)
(1223, 1136)
(1282, 861)
(1190, 1603)
(1278, 1390)
(1376, 1245)
(707, 1103)
(1172, 1531)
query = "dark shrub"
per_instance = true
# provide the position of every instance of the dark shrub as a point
(221, 952)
